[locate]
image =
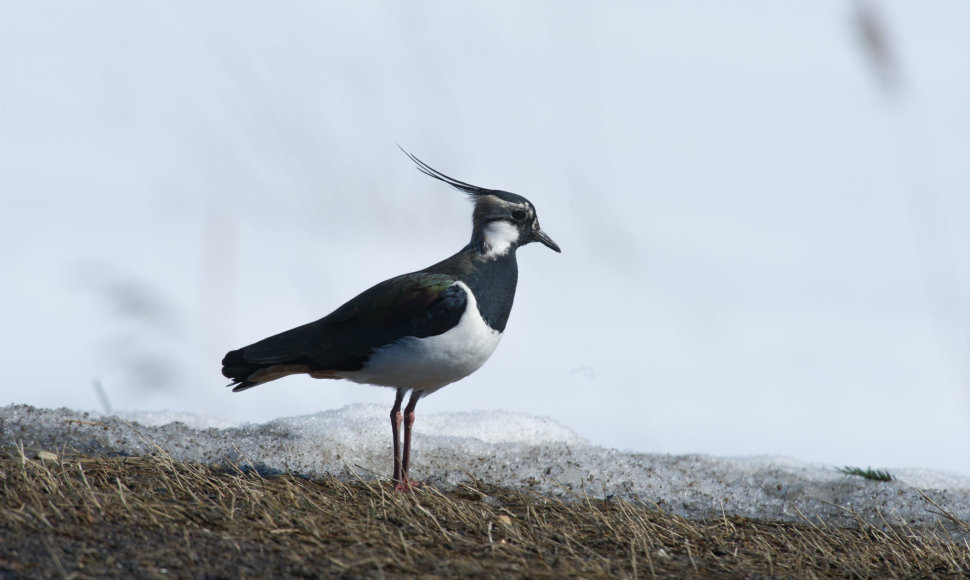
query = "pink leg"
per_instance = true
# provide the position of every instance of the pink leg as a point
(396, 432)
(404, 483)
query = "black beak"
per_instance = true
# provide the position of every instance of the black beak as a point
(541, 237)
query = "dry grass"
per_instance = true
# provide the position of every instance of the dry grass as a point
(152, 517)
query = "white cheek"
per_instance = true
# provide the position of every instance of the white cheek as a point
(499, 237)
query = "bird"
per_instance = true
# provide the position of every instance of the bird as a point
(416, 332)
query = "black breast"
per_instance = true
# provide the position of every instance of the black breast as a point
(491, 281)
(493, 284)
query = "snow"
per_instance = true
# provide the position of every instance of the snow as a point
(502, 448)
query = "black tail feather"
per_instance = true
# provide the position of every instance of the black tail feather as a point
(238, 369)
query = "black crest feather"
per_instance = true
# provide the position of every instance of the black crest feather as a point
(432, 172)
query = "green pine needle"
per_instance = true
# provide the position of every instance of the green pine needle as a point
(868, 473)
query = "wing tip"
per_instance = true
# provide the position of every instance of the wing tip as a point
(241, 385)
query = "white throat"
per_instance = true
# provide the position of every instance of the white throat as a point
(499, 235)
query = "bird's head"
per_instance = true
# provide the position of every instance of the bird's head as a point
(502, 221)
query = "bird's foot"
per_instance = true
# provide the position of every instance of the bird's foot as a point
(407, 485)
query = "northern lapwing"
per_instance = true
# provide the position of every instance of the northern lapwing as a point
(416, 332)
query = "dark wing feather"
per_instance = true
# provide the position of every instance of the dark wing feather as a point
(418, 304)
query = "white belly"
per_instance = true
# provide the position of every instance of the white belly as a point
(430, 363)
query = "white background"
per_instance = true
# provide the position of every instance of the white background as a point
(763, 217)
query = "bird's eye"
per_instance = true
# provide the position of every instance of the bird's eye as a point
(518, 215)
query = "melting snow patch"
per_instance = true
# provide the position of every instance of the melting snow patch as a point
(159, 418)
(506, 449)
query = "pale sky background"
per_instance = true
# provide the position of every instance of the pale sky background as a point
(763, 218)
